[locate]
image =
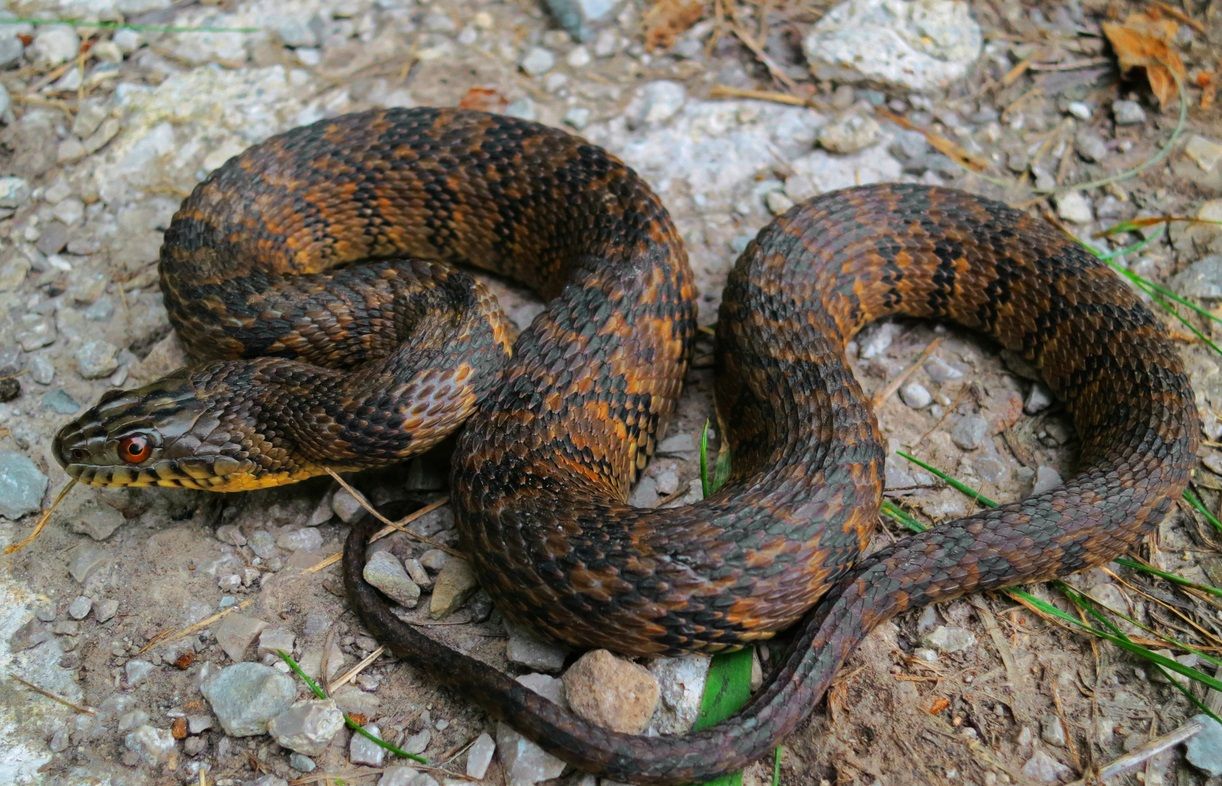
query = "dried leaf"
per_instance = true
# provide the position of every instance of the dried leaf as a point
(1208, 82)
(939, 704)
(666, 19)
(486, 99)
(1144, 42)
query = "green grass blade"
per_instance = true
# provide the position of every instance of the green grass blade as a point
(318, 692)
(1199, 507)
(776, 766)
(1172, 577)
(954, 483)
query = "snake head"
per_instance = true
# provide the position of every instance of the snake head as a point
(169, 433)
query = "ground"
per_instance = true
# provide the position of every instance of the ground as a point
(114, 609)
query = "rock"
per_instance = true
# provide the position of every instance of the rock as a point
(453, 586)
(297, 33)
(525, 763)
(969, 432)
(1128, 113)
(948, 638)
(681, 685)
(777, 202)
(1090, 146)
(1202, 279)
(915, 395)
(526, 649)
(22, 485)
(301, 762)
(363, 751)
(105, 610)
(942, 372)
(80, 607)
(96, 359)
(1039, 398)
(850, 133)
(434, 559)
(11, 49)
(1205, 152)
(236, 632)
(580, 17)
(346, 506)
(304, 539)
(1079, 109)
(479, 756)
(14, 192)
(655, 103)
(992, 469)
(918, 46)
(152, 745)
(418, 742)
(1043, 768)
(1046, 479)
(522, 108)
(54, 45)
(86, 561)
(386, 572)
(198, 724)
(307, 726)
(246, 696)
(406, 775)
(577, 117)
(1051, 731)
(1073, 206)
(136, 671)
(537, 61)
(1204, 749)
(678, 444)
(59, 402)
(612, 692)
(274, 639)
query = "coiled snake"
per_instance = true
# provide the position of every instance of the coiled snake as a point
(255, 264)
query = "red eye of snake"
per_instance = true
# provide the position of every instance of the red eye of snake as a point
(135, 448)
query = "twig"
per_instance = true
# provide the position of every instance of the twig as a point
(885, 393)
(54, 696)
(1135, 758)
(12, 548)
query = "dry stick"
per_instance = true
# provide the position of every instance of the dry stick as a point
(82, 708)
(394, 525)
(353, 672)
(12, 548)
(1135, 758)
(882, 395)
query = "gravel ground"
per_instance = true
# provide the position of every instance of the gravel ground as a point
(115, 608)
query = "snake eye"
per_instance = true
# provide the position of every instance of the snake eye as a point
(135, 448)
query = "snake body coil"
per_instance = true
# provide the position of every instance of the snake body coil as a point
(544, 465)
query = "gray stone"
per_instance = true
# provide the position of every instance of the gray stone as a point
(37, 330)
(59, 402)
(526, 649)
(106, 610)
(875, 341)
(1046, 479)
(524, 762)
(304, 539)
(418, 742)
(1079, 109)
(577, 117)
(236, 632)
(992, 469)
(363, 751)
(1205, 152)
(580, 17)
(80, 607)
(678, 444)
(1051, 731)
(386, 572)
(1128, 113)
(911, 46)
(87, 560)
(1204, 749)
(199, 723)
(1039, 398)
(949, 638)
(152, 745)
(90, 516)
(942, 372)
(479, 756)
(1090, 146)
(399, 775)
(777, 202)
(54, 45)
(276, 639)
(297, 33)
(417, 573)
(30, 634)
(346, 506)
(915, 395)
(850, 133)
(537, 61)
(22, 485)
(655, 103)
(1202, 279)
(301, 762)
(14, 192)
(522, 108)
(1043, 768)
(434, 559)
(307, 726)
(1074, 207)
(681, 685)
(11, 49)
(96, 359)
(136, 671)
(453, 586)
(41, 370)
(246, 696)
(969, 432)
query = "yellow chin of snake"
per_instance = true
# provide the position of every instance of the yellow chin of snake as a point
(239, 480)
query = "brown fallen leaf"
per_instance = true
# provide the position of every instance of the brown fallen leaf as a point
(939, 704)
(486, 99)
(1208, 82)
(1145, 42)
(952, 150)
(666, 19)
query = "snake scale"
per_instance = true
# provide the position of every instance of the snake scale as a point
(256, 263)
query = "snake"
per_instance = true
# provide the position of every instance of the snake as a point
(315, 280)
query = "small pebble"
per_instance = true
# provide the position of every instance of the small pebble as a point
(849, 133)
(526, 649)
(246, 696)
(577, 117)
(1205, 152)
(307, 726)
(105, 611)
(136, 671)
(96, 359)
(915, 395)
(1046, 479)
(453, 586)
(14, 192)
(1043, 768)
(386, 572)
(1038, 399)
(969, 432)
(79, 608)
(272, 640)
(611, 692)
(1079, 110)
(22, 485)
(152, 745)
(949, 638)
(301, 762)
(304, 539)
(236, 632)
(1074, 207)
(479, 756)
(778, 202)
(1204, 749)
(346, 506)
(655, 103)
(363, 751)
(537, 61)
(1128, 113)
